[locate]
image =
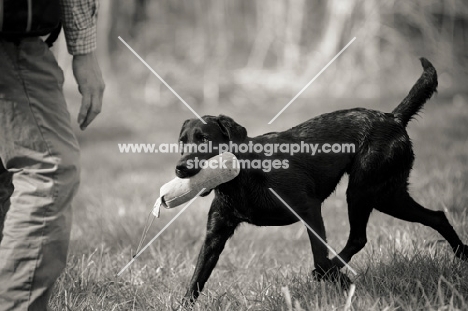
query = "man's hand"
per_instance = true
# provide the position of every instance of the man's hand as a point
(91, 86)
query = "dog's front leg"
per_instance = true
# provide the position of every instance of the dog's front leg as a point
(220, 228)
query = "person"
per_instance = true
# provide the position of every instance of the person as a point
(39, 167)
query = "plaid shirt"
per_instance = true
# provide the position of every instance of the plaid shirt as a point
(79, 19)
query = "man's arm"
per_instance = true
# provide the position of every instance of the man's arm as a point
(79, 20)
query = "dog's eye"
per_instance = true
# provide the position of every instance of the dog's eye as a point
(201, 138)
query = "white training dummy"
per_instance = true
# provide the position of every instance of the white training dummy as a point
(217, 170)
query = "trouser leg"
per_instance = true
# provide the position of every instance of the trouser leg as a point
(38, 148)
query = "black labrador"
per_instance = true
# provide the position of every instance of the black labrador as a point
(378, 178)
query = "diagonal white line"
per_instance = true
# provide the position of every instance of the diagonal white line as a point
(162, 80)
(160, 232)
(310, 82)
(311, 230)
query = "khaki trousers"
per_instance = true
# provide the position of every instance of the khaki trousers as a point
(39, 174)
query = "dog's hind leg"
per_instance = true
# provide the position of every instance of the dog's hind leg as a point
(405, 208)
(220, 228)
(359, 210)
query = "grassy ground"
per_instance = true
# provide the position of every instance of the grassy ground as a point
(403, 267)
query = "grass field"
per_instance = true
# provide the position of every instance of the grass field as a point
(403, 267)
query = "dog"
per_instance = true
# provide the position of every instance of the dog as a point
(378, 179)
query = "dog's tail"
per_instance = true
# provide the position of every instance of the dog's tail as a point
(418, 95)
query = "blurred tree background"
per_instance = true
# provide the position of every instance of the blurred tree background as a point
(218, 51)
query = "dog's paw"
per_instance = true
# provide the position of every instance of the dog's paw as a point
(462, 252)
(332, 275)
(186, 304)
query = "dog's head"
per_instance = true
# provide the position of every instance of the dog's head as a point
(217, 130)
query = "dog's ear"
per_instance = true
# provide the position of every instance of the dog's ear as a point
(183, 126)
(232, 130)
